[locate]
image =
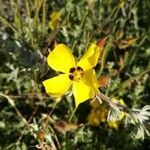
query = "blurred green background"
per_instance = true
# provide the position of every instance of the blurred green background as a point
(29, 29)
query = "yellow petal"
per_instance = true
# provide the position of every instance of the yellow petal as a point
(81, 92)
(85, 88)
(121, 101)
(57, 86)
(61, 59)
(91, 80)
(56, 15)
(90, 58)
(114, 125)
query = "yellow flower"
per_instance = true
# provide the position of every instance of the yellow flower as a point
(78, 75)
(115, 124)
(98, 115)
(55, 20)
(121, 102)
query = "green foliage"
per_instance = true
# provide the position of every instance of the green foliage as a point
(25, 41)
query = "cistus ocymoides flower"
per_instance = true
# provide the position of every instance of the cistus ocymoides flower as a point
(79, 76)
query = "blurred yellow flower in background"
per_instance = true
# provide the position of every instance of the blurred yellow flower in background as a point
(77, 75)
(55, 19)
(115, 124)
(99, 114)
(121, 102)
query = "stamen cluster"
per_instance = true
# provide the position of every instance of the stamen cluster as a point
(76, 73)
